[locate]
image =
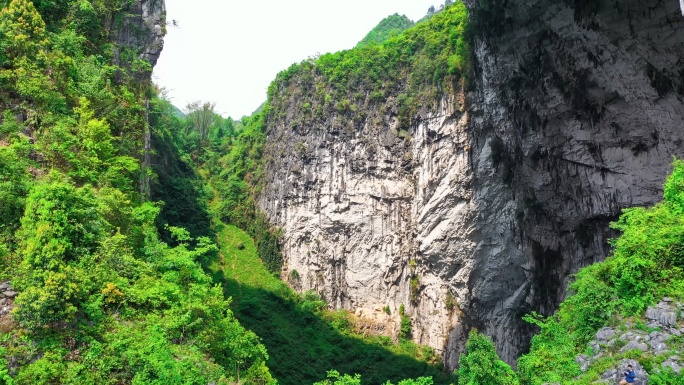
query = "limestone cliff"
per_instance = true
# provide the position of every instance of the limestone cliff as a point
(140, 27)
(481, 210)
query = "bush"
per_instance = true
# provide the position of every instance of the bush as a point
(481, 365)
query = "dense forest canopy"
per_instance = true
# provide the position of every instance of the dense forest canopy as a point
(102, 299)
(389, 27)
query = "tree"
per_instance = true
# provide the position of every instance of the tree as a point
(60, 225)
(480, 365)
(23, 30)
(202, 116)
(23, 39)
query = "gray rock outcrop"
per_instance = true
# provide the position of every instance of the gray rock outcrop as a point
(141, 27)
(663, 314)
(496, 195)
(649, 340)
(7, 295)
(613, 376)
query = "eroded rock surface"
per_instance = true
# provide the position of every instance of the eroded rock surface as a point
(140, 28)
(480, 213)
(586, 99)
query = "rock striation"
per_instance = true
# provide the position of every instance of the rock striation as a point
(481, 211)
(140, 27)
(584, 102)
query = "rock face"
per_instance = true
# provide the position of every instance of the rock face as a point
(141, 28)
(498, 193)
(587, 99)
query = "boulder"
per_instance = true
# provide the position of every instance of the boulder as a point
(674, 365)
(663, 314)
(634, 345)
(605, 334)
(613, 376)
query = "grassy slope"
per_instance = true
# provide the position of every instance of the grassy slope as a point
(303, 345)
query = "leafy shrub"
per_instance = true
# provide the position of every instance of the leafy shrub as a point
(405, 327)
(481, 365)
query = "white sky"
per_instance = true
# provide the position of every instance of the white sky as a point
(229, 51)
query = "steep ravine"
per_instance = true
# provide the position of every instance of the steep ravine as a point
(484, 207)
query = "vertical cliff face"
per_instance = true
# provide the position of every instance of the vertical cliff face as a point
(480, 211)
(140, 27)
(580, 107)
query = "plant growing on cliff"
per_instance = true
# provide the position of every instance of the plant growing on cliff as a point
(415, 67)
(414, 287)
(481, 365)
(405, 324)
(450, 302)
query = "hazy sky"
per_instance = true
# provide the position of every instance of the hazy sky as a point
(229, 51)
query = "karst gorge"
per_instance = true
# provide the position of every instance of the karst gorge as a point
(489, 195)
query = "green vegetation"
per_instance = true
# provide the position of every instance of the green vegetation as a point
(235, 177)
(414, 68)
(119, 282)
(102, 298)
(390, 26)
(304, 340)
(481, 365)
(647, 263)
(121, 286)
(177, 182)
(335, 378)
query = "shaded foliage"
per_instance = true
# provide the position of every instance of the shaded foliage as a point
(303, 338)
(236, 180)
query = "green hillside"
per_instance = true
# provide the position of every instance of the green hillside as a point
(102, 298)
(390, 26)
